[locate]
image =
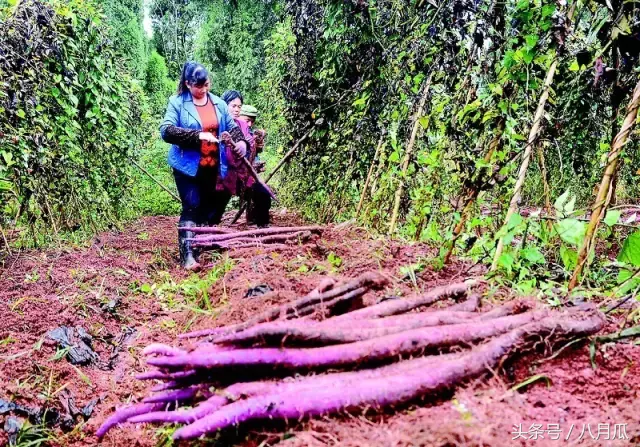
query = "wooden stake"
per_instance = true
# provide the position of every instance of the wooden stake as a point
(526, 157)
(407, 155)
(533, 136)
(369, 175)
(600, 205)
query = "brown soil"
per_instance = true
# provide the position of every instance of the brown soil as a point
(40, 291)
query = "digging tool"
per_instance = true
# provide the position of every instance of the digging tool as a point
(226, 138)
(286, 158)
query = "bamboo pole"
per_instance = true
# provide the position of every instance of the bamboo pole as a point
(599, 207)
(369, 175)
(526, 157)
(533, 136)
(473, 194)
(407, 155)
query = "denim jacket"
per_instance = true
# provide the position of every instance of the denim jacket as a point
(181, 112)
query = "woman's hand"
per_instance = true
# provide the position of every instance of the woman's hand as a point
(240, 149)
(208, 136)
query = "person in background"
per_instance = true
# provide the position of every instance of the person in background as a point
(192, 123)
(243, 185)
(249, 114)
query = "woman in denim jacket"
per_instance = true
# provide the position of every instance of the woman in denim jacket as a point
(192, 123)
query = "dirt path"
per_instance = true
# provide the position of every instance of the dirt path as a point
(126, 291)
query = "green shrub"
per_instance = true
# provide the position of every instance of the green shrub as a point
(149, 199)
(125, 29)
(70, 117)
(157, 85)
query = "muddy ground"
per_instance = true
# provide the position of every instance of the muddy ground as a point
(125, 289)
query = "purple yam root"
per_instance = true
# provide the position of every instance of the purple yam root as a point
(184, 394)
(159, 375)
(160, 349)
(405, 385)
(247, 241)
(254, 233)
(407, 342)
(183, 416)
(471, 304)
(388, 308)
(344, 331)
(124, 414)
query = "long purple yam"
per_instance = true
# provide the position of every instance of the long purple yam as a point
(376, 349)
(403, 305)
(333, 335)
(282, 237)
(211, 347)
(250, 389)
(124, 414)
(171, 385)
(177, 395)
(344, 331)
(160, 349)
(183, 416)
(204, 333)
(159, 375)
(402, 387)
(254, 233)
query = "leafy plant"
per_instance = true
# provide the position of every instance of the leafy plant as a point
(157, 85)
(71, 117)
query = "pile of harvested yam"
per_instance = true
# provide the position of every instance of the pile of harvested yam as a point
(387, 353)
(277, 237)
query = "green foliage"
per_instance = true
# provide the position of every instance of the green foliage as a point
(125, 29)
(230, 43)
(148, 199)
(70, 117)
(157, 85)
(354, 72)
(193, 293)
(175, 24)
(630, 252)
(279, 51)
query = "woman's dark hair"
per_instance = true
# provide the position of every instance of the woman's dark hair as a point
(230, 95)
(193, 73)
